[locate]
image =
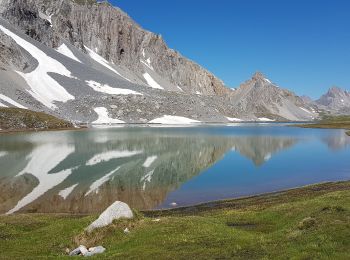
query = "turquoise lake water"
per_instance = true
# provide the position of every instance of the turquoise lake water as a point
(162, 167)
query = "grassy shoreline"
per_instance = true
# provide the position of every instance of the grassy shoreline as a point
(309, 222)
(330, 122)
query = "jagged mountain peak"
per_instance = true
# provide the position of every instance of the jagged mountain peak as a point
(265, 100)
(335, 90)
(258, 76)
(336, 98)
(261, 78)
(90, 62)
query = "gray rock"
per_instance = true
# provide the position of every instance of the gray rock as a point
(122, 42)
(116, 211)
(115, 36)
(336, 99)
(81, 250)
(95, 250)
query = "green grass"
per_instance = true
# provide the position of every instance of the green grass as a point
(335, 122)
(307, 223)
(12, 119)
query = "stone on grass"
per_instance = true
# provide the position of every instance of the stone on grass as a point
(115, 211)
(126, 231)
(83, 251)
(95, 250)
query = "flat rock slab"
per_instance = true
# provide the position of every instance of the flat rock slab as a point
(115, 211)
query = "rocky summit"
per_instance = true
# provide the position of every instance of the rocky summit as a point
(336, 99)
(88, 61)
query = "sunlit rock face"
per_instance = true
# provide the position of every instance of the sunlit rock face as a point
(335, 100)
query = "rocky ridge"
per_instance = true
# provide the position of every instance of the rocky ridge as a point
(90, 62)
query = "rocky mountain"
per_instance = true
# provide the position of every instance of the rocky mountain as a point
(336, 99)
(87, 61)
(265, 99)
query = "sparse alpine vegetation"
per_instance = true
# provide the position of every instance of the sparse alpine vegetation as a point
(304, 223)
(17, 119)
(331, 122)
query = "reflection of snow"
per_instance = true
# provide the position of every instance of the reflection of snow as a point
(149, 161)
(97, 184)
(146, 178)
(65, 193)
(267, 157)
(2, 153)
(42, 160)
(104, 157)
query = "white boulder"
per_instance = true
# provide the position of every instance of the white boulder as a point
(115, 211)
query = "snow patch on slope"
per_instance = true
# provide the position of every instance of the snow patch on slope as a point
(265, 119)
(99, 59)
(233, 119)
(43, 88)
(104, 88)
(107, 156)
(173, 120)
(46, 17)
(147, 63)
(2, 105)
(304, 109)
(103, 117)
(151, 82)
(11, 101)
(63, 49)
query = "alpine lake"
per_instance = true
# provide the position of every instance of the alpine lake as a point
(157, 167)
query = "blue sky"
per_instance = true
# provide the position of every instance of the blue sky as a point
(302, 45)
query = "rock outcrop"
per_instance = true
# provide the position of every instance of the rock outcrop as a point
(264, 99)
(112, 34)
(115, 211)
(336, 99)
(90, 62)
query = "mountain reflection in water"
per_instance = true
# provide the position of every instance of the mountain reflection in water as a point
(86, 171)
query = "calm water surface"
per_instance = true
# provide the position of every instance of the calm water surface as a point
(150, 167)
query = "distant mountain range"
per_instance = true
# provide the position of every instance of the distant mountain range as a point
(88, 61)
